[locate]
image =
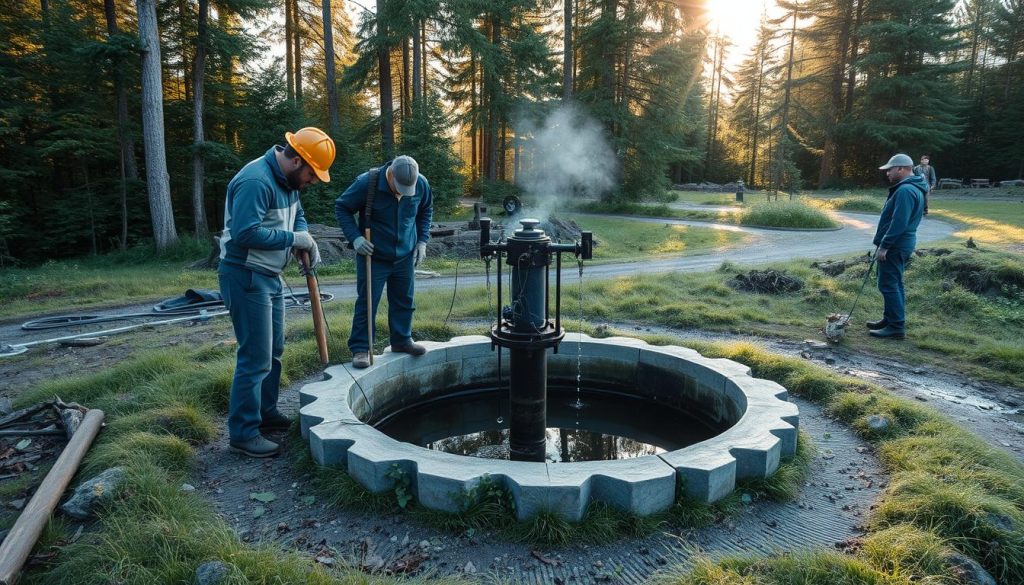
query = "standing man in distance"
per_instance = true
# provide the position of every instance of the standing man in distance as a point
(927, 171)
(896, 238)
(396, 203)
(263, 222)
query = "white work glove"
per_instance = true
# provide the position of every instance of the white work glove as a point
(420, 254)
(314, 260)
(303, 241)
(362, 246)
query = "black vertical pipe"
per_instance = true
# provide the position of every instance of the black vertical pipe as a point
(528, 373)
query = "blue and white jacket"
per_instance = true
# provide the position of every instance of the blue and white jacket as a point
(261, 212)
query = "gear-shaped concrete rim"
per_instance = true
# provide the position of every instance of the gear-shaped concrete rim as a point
(765, 432)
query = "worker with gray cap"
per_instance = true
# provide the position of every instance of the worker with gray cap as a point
(896, 238)
(395, 203)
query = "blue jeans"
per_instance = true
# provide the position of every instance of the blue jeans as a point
(890, 284)
(256, 305)
(400, 279)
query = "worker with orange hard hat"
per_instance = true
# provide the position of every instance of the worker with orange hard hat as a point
(263, 223)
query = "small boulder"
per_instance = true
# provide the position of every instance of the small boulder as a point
(211, 573)
(968, 571)
(91, 494)
(879, 423)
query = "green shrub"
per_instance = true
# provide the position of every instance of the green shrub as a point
(906, 551)
(786, 214)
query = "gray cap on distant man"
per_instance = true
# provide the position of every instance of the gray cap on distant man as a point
(405, 171)
(897, 160)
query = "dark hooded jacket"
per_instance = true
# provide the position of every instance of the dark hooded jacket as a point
(901, 214)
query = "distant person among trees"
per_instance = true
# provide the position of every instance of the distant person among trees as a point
(896, 238)
(263, 222)
(927, 172)
(395, 202)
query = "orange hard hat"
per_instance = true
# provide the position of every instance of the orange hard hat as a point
(316, 148)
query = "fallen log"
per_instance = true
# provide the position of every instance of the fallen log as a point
(20, 414)
(26, 530)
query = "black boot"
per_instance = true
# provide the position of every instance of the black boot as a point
(880, 324)
(887, 333)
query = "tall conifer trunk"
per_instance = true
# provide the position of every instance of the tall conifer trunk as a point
(567, 65)
(387, 122)
(829, 168)
(289, 62)
(331, 82)
(198, 138)
(417, 87)
(157, 179)
(297, 51)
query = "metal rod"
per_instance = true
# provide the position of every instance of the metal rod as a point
(558, 291)
(499, 318)
(547, 292)
(369, 299)
(499, 291)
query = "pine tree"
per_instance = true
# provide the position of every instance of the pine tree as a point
(908, 102)
(425, 138)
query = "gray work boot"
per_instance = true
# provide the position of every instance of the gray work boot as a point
(256, 447)
(410, 348)
(361, 360)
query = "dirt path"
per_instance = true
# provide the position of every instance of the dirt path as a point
(766, 246)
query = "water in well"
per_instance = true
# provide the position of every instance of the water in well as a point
(608, 425)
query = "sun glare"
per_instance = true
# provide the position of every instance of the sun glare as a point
(737, 20)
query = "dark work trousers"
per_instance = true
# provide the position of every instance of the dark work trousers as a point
(256, 305)
(400, 279)
(890, 284)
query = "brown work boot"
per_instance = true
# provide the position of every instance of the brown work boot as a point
(410, 348)
(361, 360)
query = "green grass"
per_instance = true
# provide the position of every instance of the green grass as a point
(991, 216)
(160, 405)
(949, 491)
(859, 203)
(786, 214)
(782, 214)
(625, 239)
(982, 341)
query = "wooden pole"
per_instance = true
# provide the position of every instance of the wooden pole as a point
(30, 523)
(369, 297)
(318, 311)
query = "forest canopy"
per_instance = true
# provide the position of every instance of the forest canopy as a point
(122, 122)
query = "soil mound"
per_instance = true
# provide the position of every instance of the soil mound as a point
(766, 281)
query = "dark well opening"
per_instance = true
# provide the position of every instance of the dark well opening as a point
(595, 424)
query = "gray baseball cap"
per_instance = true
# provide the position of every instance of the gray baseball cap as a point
(897, 160)
(405, 172)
